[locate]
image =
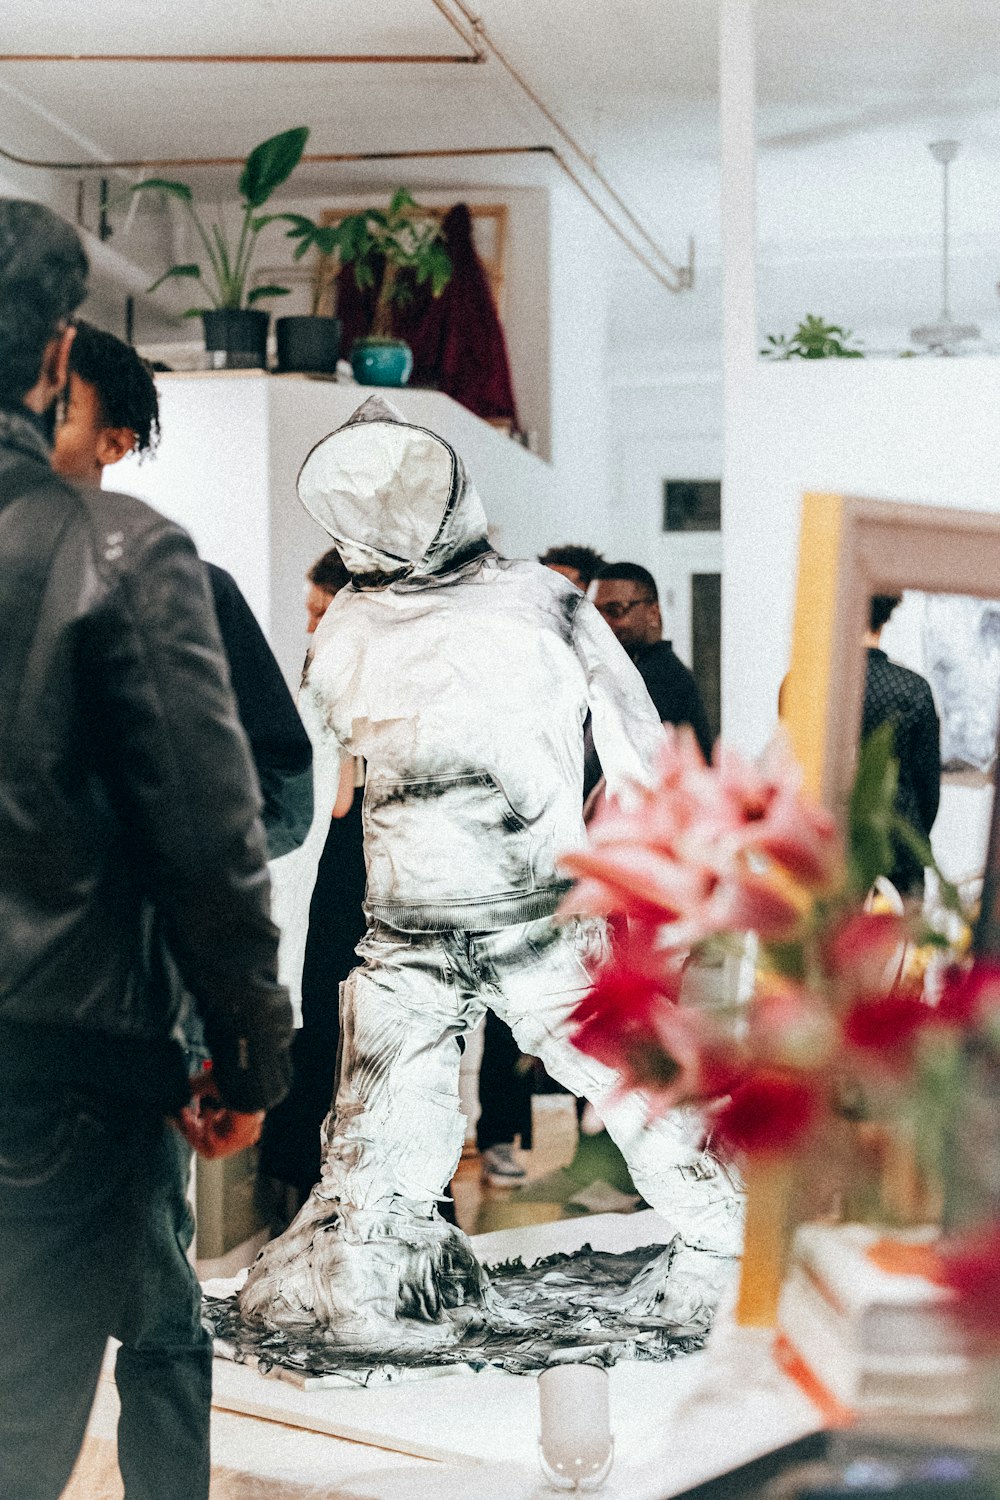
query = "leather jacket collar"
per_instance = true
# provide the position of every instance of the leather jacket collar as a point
(22, 430)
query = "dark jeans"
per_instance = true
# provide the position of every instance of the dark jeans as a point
(504, 1090)
(85, 1252)
(290, 1147)
(164, 1367)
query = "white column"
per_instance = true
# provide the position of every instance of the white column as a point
(579, 297)
(737, 123)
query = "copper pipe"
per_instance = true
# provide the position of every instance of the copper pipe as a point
(145, 164)
(151, 163)
(323, 59)
(468, 35)
(683, 274)
(475, 54)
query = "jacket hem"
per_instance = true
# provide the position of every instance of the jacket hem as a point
(152, 1072)
(486, 914)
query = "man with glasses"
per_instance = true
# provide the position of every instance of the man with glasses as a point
(627, 598)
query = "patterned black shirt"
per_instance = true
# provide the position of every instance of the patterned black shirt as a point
(893, 693)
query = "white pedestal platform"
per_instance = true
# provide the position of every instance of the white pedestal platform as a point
(482, 1428)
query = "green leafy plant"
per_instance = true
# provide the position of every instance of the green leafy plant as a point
(812, 339)
(224, 277)
(399, 239)
(319, 237)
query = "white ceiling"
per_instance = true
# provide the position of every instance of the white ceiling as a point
(635, 80)
(613, 69)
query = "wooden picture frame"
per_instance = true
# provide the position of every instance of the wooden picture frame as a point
(851, 548)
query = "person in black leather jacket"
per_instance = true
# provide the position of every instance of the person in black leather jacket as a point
(125, 782)
(111, 408)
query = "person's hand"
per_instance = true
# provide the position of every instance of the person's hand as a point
(213, 1130)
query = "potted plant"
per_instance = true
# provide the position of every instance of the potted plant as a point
(309, 343)
(235, 329)
(401, 239)
(812, 339)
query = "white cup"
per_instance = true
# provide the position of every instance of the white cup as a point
(575, 1446)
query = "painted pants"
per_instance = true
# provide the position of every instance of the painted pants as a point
(369, 1244)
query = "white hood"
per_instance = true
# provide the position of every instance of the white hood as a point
(395, 498)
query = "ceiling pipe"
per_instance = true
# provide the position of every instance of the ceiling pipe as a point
(679, 278)
(250, 58)
(314, 158)
(335, 158)
(476, 54)
(473, 33)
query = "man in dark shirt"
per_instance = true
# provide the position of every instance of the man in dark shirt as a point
(627, 598)
(895, 694)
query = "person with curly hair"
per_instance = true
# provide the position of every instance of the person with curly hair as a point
(110, 407)
(580, 565)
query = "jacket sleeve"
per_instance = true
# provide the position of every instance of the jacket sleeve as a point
(279, 744)
(925, 757)
(180, 772)
(695, 715)
(627, 732)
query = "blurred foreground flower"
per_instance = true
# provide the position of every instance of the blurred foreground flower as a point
(970, 1265)
(705, 857)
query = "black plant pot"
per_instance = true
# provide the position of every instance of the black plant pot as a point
(308, 346)
(236, 338)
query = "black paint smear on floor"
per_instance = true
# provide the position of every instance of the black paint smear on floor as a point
(567, 1308)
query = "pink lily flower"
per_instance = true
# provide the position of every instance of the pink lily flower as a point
(637, 877)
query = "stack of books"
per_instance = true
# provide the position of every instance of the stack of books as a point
(874, 1339)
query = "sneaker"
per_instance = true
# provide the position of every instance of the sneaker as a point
(500, 1166)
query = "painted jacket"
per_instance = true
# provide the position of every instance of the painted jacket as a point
(463, 679)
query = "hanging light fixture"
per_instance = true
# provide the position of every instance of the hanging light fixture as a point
(944, 336)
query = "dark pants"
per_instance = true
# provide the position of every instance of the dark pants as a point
(80, 1185)
(164, 1367)
(504, 1090)
(290, 1148)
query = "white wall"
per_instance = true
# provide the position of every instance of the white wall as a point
(924, 430)
(577, 336)
(211, 474)
(664, 427)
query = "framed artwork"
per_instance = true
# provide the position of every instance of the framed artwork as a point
(692, 505)
(850, 549)
(961, 647)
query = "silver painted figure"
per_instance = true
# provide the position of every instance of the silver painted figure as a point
(464, 680)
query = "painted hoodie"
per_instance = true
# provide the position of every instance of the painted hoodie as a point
(463, 679)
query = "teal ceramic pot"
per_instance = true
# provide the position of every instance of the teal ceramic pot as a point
(381, 362)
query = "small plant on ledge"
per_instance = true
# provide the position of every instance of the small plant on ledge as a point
(382, 245)
(812, 339)
(234, 327)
